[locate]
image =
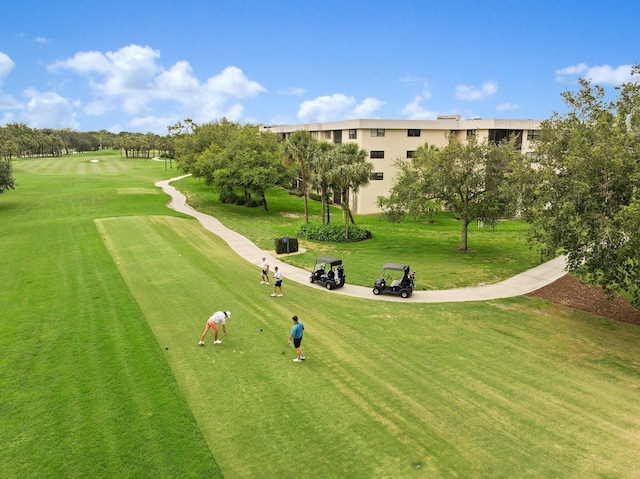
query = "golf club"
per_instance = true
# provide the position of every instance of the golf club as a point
(288, 343)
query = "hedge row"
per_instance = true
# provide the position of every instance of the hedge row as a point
(332, 233)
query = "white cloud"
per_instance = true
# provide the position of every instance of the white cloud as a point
(6, 65)
(132, 79)
(326, 108)
(415, 110)
(578, 69)
(283, 119)
(213, 99)
(231, 82)
(411, 80)
(610, 76)
(601, 75)
(7, 117)
(132, 72)
(471, 93)
(367, 107)
(48, 110)
(177, 82)
(152, 123)
(42, 40)
(7, 102)
(336, 107)
(294, 91)
(507, 106)
(83, 63)
(98, 108)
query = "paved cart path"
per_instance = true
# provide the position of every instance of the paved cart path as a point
(518, 285)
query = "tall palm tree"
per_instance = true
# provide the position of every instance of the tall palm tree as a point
(351, 172)
(299, 149)
(320, 170)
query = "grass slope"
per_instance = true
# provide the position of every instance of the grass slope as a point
(86, 391)
(475, 390)
(98, 290)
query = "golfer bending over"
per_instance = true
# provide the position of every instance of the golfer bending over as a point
(212, 323)
(296, 337)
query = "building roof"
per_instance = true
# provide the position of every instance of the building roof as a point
(452, 122)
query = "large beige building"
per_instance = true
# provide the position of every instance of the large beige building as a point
(388, 140)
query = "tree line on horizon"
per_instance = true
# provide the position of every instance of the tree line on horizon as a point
(18, 140)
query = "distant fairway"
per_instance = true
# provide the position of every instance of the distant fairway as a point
(112, 382)
(82, 166)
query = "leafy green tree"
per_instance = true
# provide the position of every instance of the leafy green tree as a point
(249, 160)
(583, 191)
(299, 149)
(7, 182)
(229, 156)
(190, 140)
(351, 172)
(471, 179)
(406, 195)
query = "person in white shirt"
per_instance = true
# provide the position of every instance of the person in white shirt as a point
(277, 277)
(265, 271)
(212, 323)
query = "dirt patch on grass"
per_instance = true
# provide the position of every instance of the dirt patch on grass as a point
(571, 292)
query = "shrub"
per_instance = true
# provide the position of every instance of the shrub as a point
(296, 192)
(228, 197)
(315, 196)
(281, 246)
(333, 233)
(251, 202)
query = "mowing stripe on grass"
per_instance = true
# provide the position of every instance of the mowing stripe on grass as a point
(85, 391)
(399, 390)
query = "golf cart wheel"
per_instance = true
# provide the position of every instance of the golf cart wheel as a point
(404, 294)
(311, 279)
(376, 291)
(329, 286)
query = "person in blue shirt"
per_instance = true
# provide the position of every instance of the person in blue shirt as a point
(296, 338)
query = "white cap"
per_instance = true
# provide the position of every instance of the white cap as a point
(228, 313)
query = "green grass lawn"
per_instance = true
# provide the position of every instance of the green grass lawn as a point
(430, 249)
(107, 291)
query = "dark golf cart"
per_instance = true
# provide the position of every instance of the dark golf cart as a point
(328, 271)
(395, 279)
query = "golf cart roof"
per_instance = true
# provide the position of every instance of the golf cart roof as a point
(328, 260)
(396, 267)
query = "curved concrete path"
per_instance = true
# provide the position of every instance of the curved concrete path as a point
(518, 285)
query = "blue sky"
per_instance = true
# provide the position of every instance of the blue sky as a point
(141, 66)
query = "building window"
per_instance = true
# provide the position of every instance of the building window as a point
(411, 153)
(314, 134)
(471, 133)
(377, 154)
(533, 134)
(353, 134)
(412, 132)
(327, 135)
(377, 131)
(377, 175)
